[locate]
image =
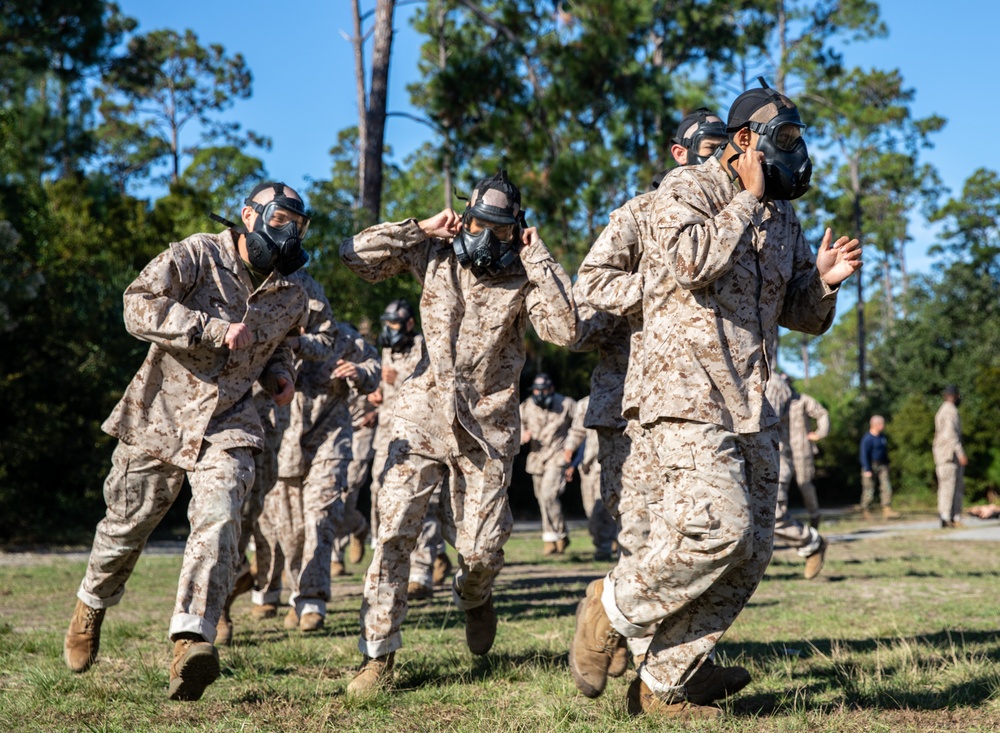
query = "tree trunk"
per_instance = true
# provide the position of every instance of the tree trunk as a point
(443, 64)
(805, 359)
(358, 41)
(856, 190)
(779, 73)
(371, 191)
(904, 277)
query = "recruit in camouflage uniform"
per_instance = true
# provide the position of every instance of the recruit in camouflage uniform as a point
(214, 329)
(456, 419)
(806, 541)
(364, 419)
(803, 438)
(603, 531)
(949, 458)
(610, 281)
(546, 417)
(313, 457)
(727, 267)
(403, 350)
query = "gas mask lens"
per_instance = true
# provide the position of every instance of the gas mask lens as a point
(278, 217)
(787, 135)
(503, 232)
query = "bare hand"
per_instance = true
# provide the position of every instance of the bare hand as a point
(838, 262)
(442, 225)
(813, 436)
(866, 474)
(238, 336)
(285, 393)
(750, 168)
(369, 419)
(530, 236)
(567, 456)
(963, 460)
(568, 473)
(376, 397)
(525, 436)
(345, 370)
(389, 375)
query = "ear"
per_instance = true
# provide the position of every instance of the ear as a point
(247, 214)
(742, 137)
(679, 153)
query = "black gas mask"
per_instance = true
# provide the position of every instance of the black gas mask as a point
(494, 211)
(275, 243)
(395, 335)
(705, 129)
(787, 167)
(543, 391)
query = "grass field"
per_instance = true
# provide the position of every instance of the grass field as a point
(897, 634)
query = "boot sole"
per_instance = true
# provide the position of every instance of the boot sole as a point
(196, 672)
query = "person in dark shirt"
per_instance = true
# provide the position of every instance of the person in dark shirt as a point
(875, 462)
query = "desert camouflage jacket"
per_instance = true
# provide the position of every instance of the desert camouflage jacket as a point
(191, 387)
(549, 428)
(473, 331)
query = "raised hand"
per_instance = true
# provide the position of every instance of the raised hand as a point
(443, 225)
(838, 261)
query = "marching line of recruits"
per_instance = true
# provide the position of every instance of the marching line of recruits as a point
(254, 391)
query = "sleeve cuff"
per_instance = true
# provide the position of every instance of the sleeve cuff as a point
(214, 332)
(535, 253)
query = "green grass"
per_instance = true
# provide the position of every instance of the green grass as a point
(897, 634)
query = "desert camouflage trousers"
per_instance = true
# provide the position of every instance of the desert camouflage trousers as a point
(549, 486)
(476, 521)
(430, 541)
(951, 490)
(711, 516)
(803, 538)
(301, 517)
(638, 488)
(880, 471)
(602, 527)
(613, 447)
(358, 472)
(138, 492)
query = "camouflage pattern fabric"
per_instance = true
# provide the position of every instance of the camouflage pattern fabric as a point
(549, 428)
(947, 449)
(710, 540)
(189, 410)
(602, 527)
(456, 418)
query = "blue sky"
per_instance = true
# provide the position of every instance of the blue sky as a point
(304, 91)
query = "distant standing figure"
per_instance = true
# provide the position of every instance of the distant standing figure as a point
(949, 458)
(875, 462)
(803, 439)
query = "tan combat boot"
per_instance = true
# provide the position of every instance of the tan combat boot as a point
(291, 619)
(83, 639)
(442, 568)
(641, 700)
(889, 513)
(375, 674)
(619, 662)
(814, 563)
(337, 569)
(711, 683)
(549, 548)
(417, 592)
(481, 627)
(264, 610)
(195, 667)
(224, 629)
(356, 547)
(311, 622)
(561, 544)
(595, 643)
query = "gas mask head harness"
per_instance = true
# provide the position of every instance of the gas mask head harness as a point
(396, 333)
(542, 391)
(787, 167)
(275, 242)
(702, 125)
(491, 227)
